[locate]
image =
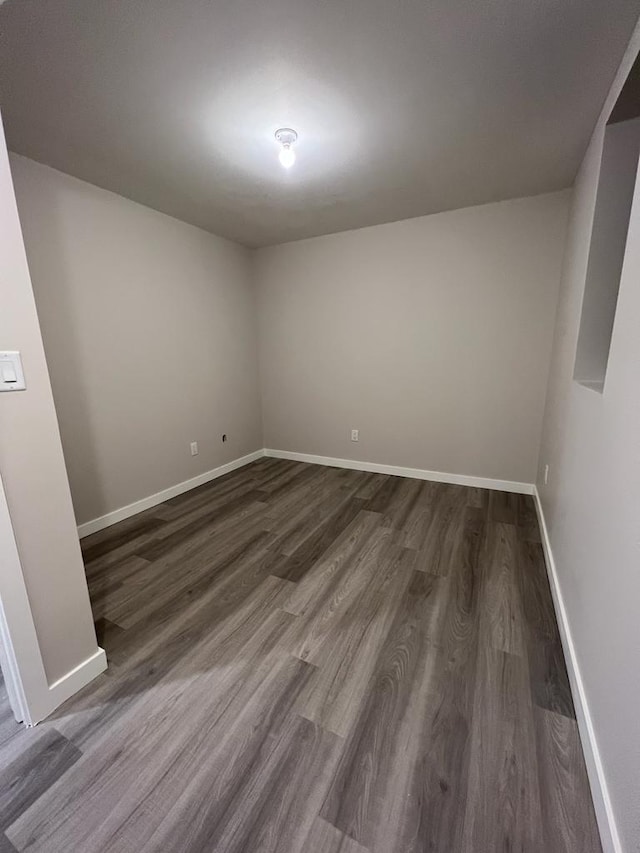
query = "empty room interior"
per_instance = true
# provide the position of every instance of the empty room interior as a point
(319, 426)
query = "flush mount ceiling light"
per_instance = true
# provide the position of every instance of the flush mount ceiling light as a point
(286, 137)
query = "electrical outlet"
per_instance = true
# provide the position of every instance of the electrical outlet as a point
(194, 448)
(355, 435)
(546, 474)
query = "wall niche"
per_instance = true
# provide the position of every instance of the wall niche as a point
(616, 184)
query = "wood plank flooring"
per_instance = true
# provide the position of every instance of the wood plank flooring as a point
(312, 659)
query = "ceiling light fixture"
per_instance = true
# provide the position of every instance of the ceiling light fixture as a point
(286, 137)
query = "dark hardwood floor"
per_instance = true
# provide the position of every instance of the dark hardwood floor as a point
(312, 659)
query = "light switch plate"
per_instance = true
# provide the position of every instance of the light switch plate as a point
(11, 373)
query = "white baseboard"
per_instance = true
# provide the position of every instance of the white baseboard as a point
(75, 679)
(415, 473)
(595, 771)
(153, 500)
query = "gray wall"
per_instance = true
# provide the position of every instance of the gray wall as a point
(431, 336)
(32, 466)
(149, 328)
(591, 443)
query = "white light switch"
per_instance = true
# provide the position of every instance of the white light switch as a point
(11, 375)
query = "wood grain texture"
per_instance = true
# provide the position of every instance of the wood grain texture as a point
(312, 659)
(33, 772)
(504, 625)
(503, 799)
(5, 845)
(563, 792)
(373, 788)
(325, 838)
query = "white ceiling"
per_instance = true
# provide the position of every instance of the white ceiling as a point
(403, 107)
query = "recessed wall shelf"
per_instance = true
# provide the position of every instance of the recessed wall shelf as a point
(616, 185)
